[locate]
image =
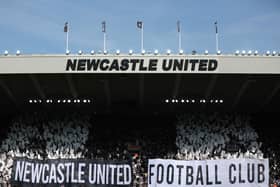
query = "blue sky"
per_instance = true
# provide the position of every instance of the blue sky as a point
(36, 26)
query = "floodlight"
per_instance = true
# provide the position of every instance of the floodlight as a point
(181, 51)
(18, 52)
(243, 52)
(92, 52)
(130, 51)
(267, 53)
(156, 52)
(249, 52)
(143, 51)
(168, 51)
(118, 51)
(105, 52)
(273, 53)
(206, 52)
(80, 52)
(256, 52)
(237, 52)
(219, 52)
(6, 52)
(67, 52)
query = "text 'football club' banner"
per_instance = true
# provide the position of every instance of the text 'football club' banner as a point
(70, 171)
(223, 173)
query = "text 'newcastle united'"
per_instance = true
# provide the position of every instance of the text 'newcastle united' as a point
(141, 65)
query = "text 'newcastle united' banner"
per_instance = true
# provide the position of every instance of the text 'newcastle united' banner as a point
(69, 171)
(223, 173)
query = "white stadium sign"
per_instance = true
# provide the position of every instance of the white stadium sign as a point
(221, 64)
(223, 173)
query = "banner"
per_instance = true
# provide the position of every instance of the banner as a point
(222, 173)
(70, 171)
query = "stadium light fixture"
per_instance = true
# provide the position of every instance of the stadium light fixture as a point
(118, 51)
(58, 101)
(166, 101)
(18, 52)
(143, 52)
(92, 52)
(279, 53)
(30, 101)
(256, 53)
(267, 53)
(237, 52)
(249, 52)
(243, 52)
(221, 101)
(206, 52)
(219, 52)
(130, 52)
(105, 52)
(168, 51)
(187, 101)
(182, 100)
(80, 52)
(6, 53)
(156, 52)
(273, 53)
(193, 101)
(181, 51)
(67, 52)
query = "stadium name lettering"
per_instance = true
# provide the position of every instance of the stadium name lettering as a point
(141, 65)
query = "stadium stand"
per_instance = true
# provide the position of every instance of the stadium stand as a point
(190, 137)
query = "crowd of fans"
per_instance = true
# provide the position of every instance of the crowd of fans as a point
(192, 137)
(201, 137)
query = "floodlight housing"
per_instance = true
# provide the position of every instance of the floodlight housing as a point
(80, 52)
(118, 51)
(181, 51)
(18, 52)
(249, 52)
(206, 52)
(237, 52)
(130, 52)
(92, 52)
(156, 52)
(168, 51)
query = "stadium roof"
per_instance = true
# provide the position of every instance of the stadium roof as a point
(163, 93)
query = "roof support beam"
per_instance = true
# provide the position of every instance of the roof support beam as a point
(177, 83)
(241, 92)
(71, 85)
(107, 91)
(37, 86)
(8, 92)
(271, 95)
(141, 90)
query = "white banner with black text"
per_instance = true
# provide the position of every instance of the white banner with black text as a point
(222, 173)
